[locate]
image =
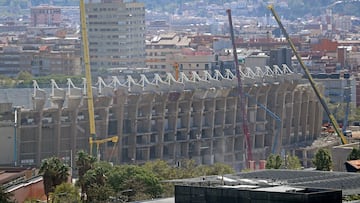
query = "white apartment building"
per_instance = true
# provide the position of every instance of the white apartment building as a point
(116, 32)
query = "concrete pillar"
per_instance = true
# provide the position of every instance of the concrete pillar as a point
(74, 100)
(38, 122)
(297, 113)
(304, 116)
(132, 112)
(262, 164)
(319, 113)
(252, 165)
(311, 119)
(251, 111)
(264, 116)
(158, 117)
(288, 114)
(260, 133)
(57, 124)
(120, 100)
(272, 126)
(280, 111)
(73, 114)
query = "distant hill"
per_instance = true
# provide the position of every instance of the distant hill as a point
(296, 8)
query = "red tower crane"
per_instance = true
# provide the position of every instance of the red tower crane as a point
(241, 94)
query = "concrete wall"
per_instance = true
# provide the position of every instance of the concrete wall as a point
(199, 119)
(34, 189)
(339, 155)
(7, 143)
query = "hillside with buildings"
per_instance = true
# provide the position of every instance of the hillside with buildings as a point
(290, 9)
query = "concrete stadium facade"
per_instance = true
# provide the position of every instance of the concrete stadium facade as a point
(190, 118)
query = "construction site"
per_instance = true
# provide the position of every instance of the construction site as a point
(236, 119)
(190, 118)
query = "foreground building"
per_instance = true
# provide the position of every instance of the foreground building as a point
(302, 186)
(193, 118)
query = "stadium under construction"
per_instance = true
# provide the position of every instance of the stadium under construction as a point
(194, 116)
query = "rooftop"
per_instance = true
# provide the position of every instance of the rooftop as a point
(354, 163)
(279, 180)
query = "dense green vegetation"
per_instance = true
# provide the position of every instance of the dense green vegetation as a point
(289, 162)
(354, 155)
(101, 181)
(65, 192)
(25, 79)
(323, 160)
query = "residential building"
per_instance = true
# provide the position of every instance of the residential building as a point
(10, 59)
(280, 56)
(337, 86)
(44, 57)
(160, 47)
(189, 60)
(45, 16)
(257, 60)
(116, 33)
(48, 61)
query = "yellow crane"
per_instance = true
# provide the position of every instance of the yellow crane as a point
(90, 102)
(113, 139)
(311, 80)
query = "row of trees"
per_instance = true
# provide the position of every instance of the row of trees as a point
(101, 181)
(25, 79)
(322, 161)
(276, 162)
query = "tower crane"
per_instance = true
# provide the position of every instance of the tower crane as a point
(90, 100)
(311, 80)
(240, 92)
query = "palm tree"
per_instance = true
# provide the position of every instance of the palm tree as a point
(54, 173)
(84, 162)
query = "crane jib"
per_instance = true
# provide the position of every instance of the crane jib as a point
(308, 75)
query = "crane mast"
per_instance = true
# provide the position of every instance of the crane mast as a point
(240, 92)
(90, 100)
(311, 80)
(86, 59)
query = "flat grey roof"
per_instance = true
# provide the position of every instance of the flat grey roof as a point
(163, 200)
(280, 179)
